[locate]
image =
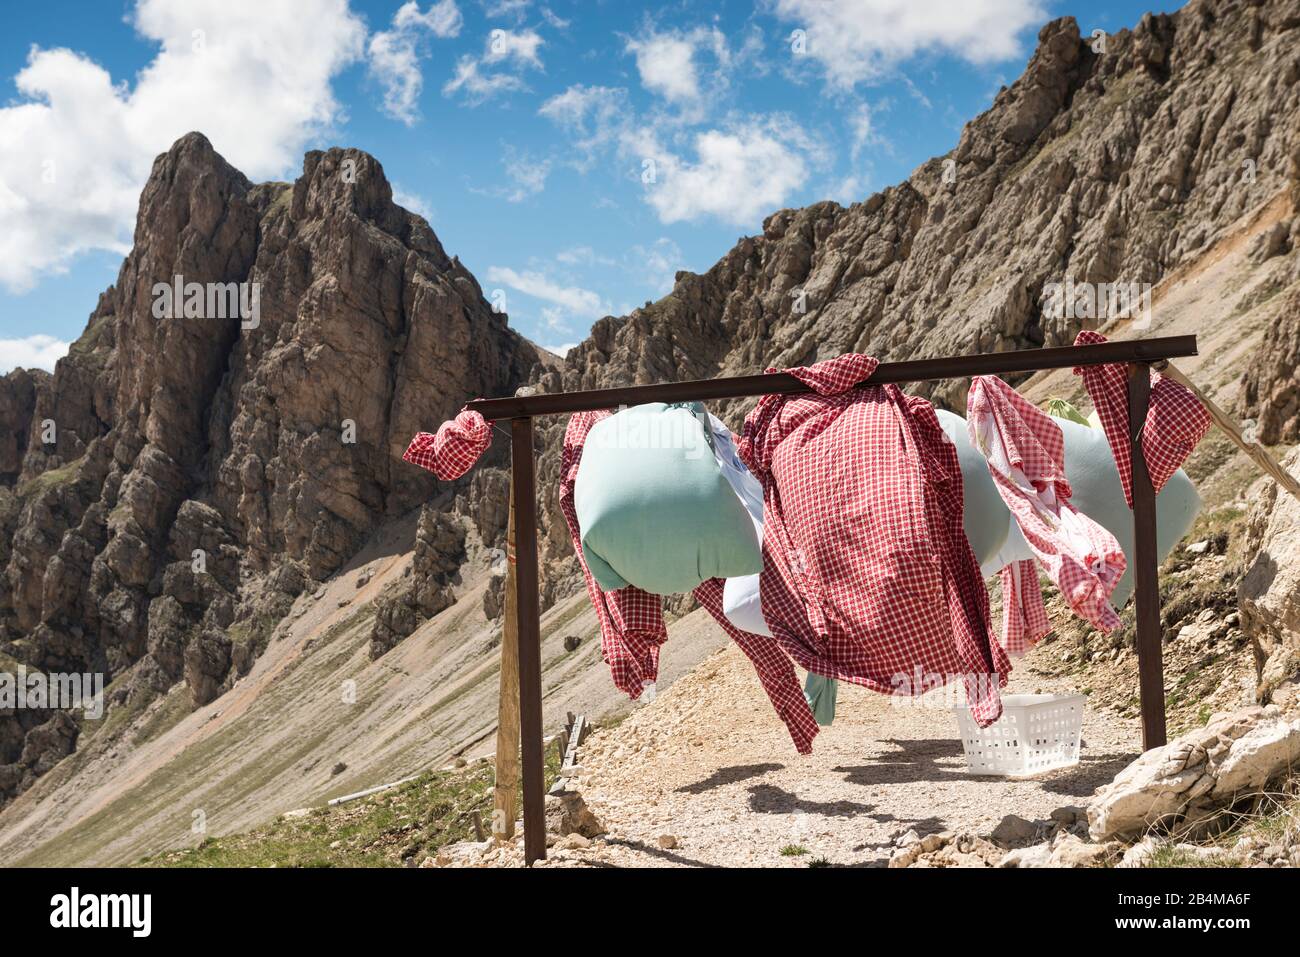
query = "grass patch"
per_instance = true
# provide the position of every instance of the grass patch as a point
(1267, 823)
(793, 850)
(171, 711)
(51, 478)
(394, 828)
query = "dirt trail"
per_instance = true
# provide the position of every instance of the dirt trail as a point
(710, 764)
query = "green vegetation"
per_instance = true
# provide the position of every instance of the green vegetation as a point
(1269, 821)
(52, 478)
(793, 850)
(395, 828)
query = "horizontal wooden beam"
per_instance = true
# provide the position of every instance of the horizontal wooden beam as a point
(781, 383)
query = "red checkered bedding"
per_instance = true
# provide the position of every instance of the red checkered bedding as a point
(868, 575)
(454, 449)
(1176, 419)
(1024, 616)
(1026, 455)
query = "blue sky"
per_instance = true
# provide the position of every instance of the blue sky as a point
(574, 155)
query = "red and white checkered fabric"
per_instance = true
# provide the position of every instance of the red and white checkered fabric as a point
(454, 449)
(1176, 419)
(1024, 616)
(632, 625)
(1026, 456)
(868, 576)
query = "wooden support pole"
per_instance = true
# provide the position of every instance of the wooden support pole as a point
(1146, 573)
(505, 796)
(528, 617)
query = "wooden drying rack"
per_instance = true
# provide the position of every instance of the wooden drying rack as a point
(521, 645)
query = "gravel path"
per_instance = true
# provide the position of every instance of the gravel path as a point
(706, 775)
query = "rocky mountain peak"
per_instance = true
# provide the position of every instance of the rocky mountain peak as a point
(229, 427)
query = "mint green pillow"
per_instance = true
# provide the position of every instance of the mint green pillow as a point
(654, 507)
(1094, 480)
(985, 517)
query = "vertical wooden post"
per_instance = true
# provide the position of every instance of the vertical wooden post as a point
(506, 794)
(1146, 573)
(527, 615)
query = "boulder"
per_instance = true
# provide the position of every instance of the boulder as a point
(1233, 756)
(1015, 831)
(567, 813)
(1071, 851)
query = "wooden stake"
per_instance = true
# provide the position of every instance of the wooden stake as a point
(1146, 571)
(528, 614)
(1258, 454)
(506, 794)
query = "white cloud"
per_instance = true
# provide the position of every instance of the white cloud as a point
(477, 86)
(863, 131)
(576, 301)
(34, 352)
(500, 9)
(527, 174)
(666, 63)
(522, 47)
(394, 55)
(442, 19)
(413, 202)
(560, 351)
(858, 41)
(554, 19)
(503, 47)
(76, 148)
(657, 264)
(738, 175)
(582, 256)
(593, 115)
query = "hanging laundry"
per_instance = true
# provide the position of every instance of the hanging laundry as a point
(821, 693)
(1026, 456)
(1024, 616)
(655, 507)
(985, 517)
(1097, 492)
(1176, 420)
(631, 620)
(868, 575)
(453, 450)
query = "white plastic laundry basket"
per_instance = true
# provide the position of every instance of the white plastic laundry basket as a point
(1036, 733)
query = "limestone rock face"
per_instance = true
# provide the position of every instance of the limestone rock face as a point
(435, 567)
(17, 404)
(1271, 388)
(1269, 593)
(201, 470)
